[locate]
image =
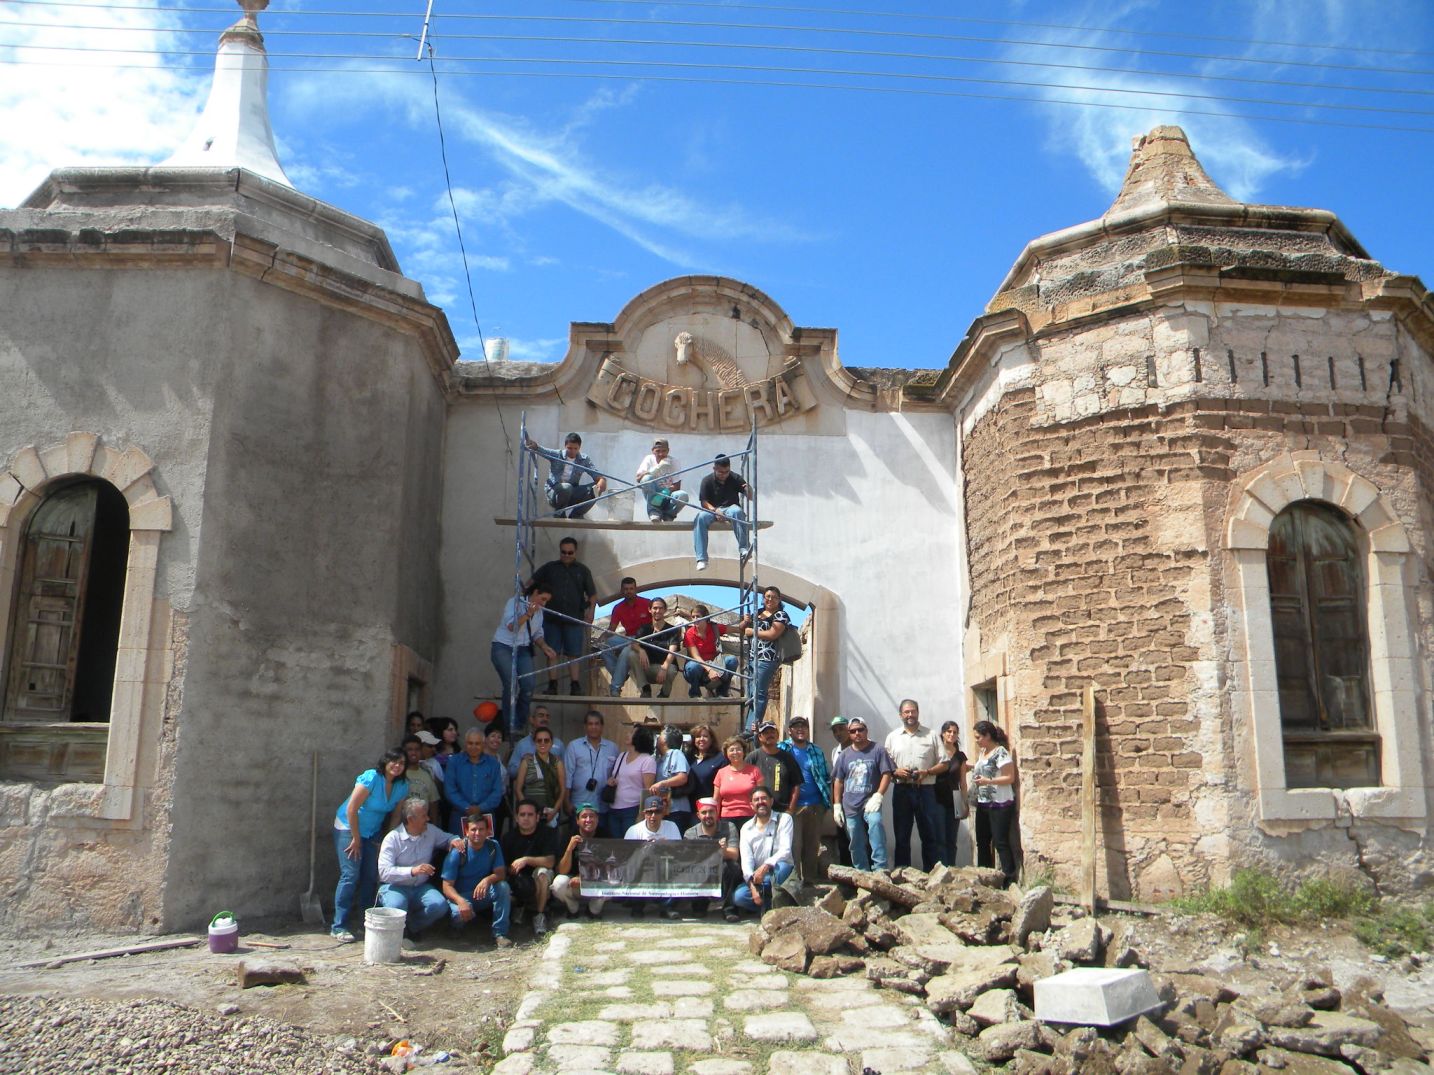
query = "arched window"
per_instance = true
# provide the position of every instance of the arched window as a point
(1321, 637)
(61, 664)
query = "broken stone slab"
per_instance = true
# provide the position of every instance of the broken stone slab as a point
(823, 933)
(1300, 1063)
(1278, 1010)
(1096, 996)
(920, 929)
(1082, 941)
(997, 1006)
(834, 966)
(951, 992)
(985, 925)
(252, 972)
(999, 1043)
(1325, 1033)
(1032, 914)
(788, 951)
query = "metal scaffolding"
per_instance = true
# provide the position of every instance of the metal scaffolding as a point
(532, 508)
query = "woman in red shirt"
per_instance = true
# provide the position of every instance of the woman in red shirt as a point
(733, 784)
(703, 646)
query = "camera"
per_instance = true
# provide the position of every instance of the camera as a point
(591, 784)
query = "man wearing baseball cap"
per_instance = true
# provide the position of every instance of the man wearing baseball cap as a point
(566, 885)
(654, 826)
(814, 798)
(863, 773)
(663, 492)
(839, 733)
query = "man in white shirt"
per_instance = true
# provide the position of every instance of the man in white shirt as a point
(405, 866)
(654, 826)
(916, 752)
(766, 846)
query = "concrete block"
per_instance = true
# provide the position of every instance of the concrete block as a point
(1095, 996)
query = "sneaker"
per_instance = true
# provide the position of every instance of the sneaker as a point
(540, 925)
(552, 686)
(614, 692)
(502, 942)
(519, 913)
(745, 553)
(595, 908)
(732, 916)
(343, 936)
(701, 565)
(694, 692)
(637, 911)
(672, 913)
(654, 517)
(646, 692)
(577, 688)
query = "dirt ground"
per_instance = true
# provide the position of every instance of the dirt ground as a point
(447, 993)
(455, 995)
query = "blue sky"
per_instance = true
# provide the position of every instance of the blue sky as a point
(889, 213)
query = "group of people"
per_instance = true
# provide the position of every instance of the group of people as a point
(574, 484)
(555, 612)
(516, 822)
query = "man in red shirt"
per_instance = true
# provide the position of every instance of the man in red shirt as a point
(703, 643)
(631, 614)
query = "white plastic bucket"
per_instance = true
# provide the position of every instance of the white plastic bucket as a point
(383, 934)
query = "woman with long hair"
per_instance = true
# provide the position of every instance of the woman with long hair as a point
(950, 791)
(446, 729)
(765, 630)
(359, 825)
(633, 774)
(733, 784)
(706, 760)
(993, 787)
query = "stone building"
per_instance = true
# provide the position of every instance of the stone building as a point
(1214, 420)
(252, 508)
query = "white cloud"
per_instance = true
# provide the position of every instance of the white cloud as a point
(1237, 157)
(546, 168)
(551, 349)
(64, 108)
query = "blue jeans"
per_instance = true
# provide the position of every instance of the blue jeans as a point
(616, 655)
(666, 504)
(424, 903)
(766, 672)
(864, 829)
(696, 675)
(916, 802)
(499, 898)
(620, 820)
(743, 896)
(501, 655)
(702, 522)
(356, 876)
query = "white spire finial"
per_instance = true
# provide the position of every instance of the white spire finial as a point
(234, 131)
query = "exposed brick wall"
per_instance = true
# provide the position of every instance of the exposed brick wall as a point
(1094, 549)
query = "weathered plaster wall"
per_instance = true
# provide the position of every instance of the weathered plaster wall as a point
(319, 554)
(118, 354)
(1097, 495)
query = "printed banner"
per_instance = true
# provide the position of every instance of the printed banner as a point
(629, 869)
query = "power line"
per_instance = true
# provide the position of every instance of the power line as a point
(775, 83)
(787, 70)
(803, 49)
(967, 38)
(926, 16)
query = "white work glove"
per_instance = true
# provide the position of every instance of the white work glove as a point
(873, 805)
(838, 815)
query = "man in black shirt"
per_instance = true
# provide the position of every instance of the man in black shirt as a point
(658, 657)
(780, 771)
(574, 594)
(721, 494)
(530, 851)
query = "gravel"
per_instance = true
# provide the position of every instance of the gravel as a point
(44, 1035)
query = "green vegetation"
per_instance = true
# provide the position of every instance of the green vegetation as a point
(1397, 929)
(1255, 900)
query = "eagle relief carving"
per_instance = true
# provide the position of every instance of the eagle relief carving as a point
(725, 401)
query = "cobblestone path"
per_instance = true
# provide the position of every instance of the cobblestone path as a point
(689, 999)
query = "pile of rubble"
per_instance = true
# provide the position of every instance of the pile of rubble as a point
(974, 952)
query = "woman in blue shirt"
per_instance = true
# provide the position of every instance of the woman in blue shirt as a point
(358, 828)
(520, 630)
